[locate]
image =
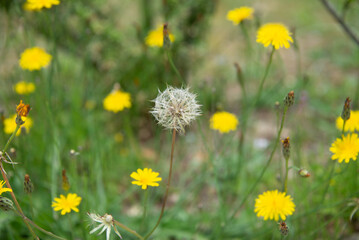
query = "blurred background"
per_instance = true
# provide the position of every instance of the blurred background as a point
(97, 44)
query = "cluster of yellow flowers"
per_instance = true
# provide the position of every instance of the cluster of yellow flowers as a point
(275, 34)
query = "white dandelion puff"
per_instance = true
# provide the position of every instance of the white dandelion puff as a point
(106, 223)
(175, 108)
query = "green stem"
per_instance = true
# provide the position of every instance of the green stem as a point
(286, 175)
(144, 209)
(10, 140)
(331, 173)
(264, 77)
(70, 226)
(174, 66)
(265, 167)
(128, 229)
(167, 187)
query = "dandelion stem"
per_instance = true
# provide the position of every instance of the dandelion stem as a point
(264, 77)
(128, 229)
(265, 167)
(286, 175)
(16, 202)
(167, 187)
(10, 140)
(144, 209)
(174, 66)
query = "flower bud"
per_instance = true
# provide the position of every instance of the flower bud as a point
(6, 204)
(28, 186)
(286, 148)
(283, 228)
(346, 110)
(65, 181)
(166, 37)
(304, 173)
(289, 99)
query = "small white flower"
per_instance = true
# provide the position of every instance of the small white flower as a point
(175, 108)
(106, 223)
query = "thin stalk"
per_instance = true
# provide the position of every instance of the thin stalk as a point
(331, 173)
(70, 225)
(133, 232)
(265, 167)
(144, 209)
(286, 175)
(246, 36)
(169, 57)
(43, 230)
(16, 202)
(264, 77)
(167, 187)
(10, 140)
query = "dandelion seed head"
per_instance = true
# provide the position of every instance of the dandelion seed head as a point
(176, 108)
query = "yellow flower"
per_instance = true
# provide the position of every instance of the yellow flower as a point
(4, 189)
(34, 59)
(146, 178)
(32, 5)
(223, 122)
(237, 15)
(117, 101)
(66, 204)
(274, 33)
(273, 204)
(24, 88)
(346, 148)
(155, 37)
(351, 125)
(10, 124)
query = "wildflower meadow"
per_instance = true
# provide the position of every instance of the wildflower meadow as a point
(179, 120)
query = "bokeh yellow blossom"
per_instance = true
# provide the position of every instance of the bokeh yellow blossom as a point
(34, 59)
(273, 204)
(146, 178)
(275, 34)
(224, 122)
(117, 101)
(33, 5)
(24, 88)
(345, 148)
(155, 37)
(237, 15)
(351, 125)
(66, 204)
(4, 189)
(10, 124)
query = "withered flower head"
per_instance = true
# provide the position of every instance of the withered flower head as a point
(23, 109)
(65, 181)
(28, 186)
(283, 228)
(176, 108)
(289, 99)
(286, 148)
(304, 173)
(166, 37)
(346, 109)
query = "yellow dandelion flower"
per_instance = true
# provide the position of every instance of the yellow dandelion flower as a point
(4, 189)
(351, 125)
(66, 204)
(273, 204)
(155, 37)
(345, 148)
(34, 59)
(146, 178)
(224, 122)
(33, 5)
(117, 101)
(10, 124)
(24, 88)
(274, 33)
(237, 15)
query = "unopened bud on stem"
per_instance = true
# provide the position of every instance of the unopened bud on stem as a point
(289, 99)
(346, 109)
